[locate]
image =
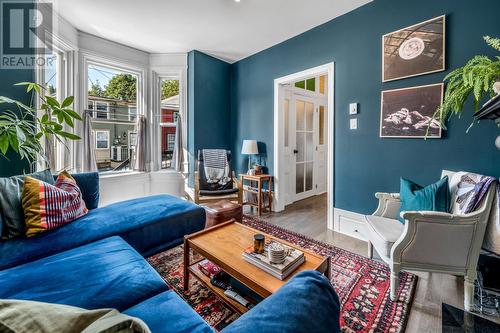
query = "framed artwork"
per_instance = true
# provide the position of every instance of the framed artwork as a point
(415, 50)
(407, 112)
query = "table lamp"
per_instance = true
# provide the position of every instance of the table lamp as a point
(249, 148)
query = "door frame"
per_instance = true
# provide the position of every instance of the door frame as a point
(279, 135)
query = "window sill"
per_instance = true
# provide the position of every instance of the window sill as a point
(120, 174)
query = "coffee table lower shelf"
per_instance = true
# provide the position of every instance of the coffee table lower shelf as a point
(193, 269)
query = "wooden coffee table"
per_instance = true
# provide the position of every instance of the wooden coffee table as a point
(224, 244)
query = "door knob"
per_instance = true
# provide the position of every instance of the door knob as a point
(295, 151)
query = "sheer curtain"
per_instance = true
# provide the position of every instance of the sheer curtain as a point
(178, 155)
(141, 150)
(85, 147)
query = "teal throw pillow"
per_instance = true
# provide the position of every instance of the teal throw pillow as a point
(434, 197)
(11, 189)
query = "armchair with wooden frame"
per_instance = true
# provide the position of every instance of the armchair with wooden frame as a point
(205, 192)
(429, 241)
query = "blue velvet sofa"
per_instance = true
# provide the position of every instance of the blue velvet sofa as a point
(98, 261)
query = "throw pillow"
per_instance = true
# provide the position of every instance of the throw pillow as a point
(49, 206)
(434, 197)
(11, 189)
(88, 182)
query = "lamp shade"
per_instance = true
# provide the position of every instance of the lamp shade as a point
(249, 147)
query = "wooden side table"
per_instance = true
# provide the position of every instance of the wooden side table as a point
(259, 179)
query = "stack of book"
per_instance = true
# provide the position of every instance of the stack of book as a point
(293, 259)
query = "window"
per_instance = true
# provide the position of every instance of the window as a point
(112, 97)
(132, 113)
(55, 81)
(314, 84)
(102, 110)
(171, 141)
(169, 113)
(101, 139)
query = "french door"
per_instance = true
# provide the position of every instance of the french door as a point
(305, 146)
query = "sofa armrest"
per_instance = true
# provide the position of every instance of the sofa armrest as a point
(388, 205)
(307, 303)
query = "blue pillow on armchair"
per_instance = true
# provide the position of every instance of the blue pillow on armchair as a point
(434, 197)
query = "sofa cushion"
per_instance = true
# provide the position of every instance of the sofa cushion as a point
(88, 182)
(305, 304)
(48, 207)
(105, 274)
(149, 224)
(168, 313)
(11, 189)
(383, 232)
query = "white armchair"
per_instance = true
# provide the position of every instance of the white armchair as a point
(428, 241)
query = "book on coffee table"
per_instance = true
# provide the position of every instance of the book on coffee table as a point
(293, 259)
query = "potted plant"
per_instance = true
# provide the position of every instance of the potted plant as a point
(479, 77)
(23, 128)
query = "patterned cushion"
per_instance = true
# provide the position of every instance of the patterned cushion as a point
(48, 206)
(11, 190)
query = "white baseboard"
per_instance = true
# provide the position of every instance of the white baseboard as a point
(349, 223)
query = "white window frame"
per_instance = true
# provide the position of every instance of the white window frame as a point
(65, 86)
(95, 138)
(92, 58)
(179, 74)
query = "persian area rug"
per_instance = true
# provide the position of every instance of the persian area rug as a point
(362, 285)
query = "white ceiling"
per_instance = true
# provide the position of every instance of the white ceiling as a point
(226, 29)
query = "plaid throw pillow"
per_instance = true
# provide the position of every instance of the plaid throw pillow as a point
(48, 206)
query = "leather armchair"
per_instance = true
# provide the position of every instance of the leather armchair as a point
(429, 241)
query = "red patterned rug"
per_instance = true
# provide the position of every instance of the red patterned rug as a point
(362, 285)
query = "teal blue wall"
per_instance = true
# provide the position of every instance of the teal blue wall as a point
(365, 163)
(12, 165)
(8, 77)
(208, 105)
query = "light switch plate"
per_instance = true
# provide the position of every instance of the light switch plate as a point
(353, 108)
(353, 123)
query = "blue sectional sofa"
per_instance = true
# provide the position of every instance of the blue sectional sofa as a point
(98, 262)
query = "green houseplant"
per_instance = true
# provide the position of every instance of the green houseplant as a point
(478, 77)
(23, 128)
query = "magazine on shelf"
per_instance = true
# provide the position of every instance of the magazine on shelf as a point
(208, 268)
(294, 258)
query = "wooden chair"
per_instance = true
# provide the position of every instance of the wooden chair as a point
(205, 192)
(429, 241)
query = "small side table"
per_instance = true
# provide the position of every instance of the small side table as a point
(259, 179)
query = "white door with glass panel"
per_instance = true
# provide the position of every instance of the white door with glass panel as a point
(305, 149)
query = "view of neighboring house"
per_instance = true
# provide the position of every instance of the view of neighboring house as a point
(115, 134)
(169, 113)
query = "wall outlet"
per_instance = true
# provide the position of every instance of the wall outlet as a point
(353, 123)
(353, 108)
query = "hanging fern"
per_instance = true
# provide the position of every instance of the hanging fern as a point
(475, 78)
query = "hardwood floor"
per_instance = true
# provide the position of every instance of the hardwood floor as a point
(308, 217)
